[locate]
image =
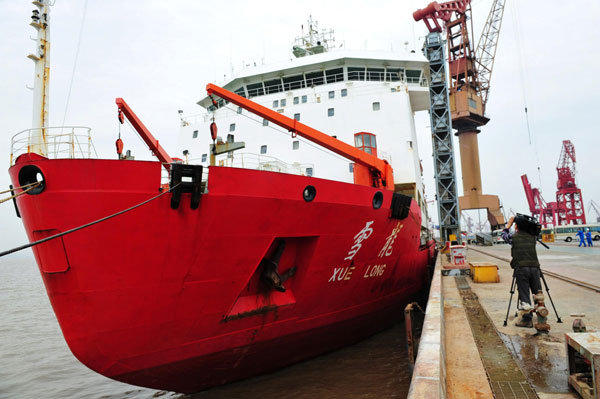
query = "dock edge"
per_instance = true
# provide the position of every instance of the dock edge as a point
(429, 374)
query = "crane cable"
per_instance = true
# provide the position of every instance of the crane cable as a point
(75, 61)
(520, 56)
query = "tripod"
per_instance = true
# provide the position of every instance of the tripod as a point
(514, 283)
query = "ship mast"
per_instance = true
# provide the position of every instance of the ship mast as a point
(314, 42)
(40, 20)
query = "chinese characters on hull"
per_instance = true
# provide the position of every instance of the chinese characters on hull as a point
(358, 239)
(387, 248)
(345, 273)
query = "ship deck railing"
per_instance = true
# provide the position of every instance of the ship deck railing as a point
(54, 142)
(248, 160)
(254, 161)
(284, 84)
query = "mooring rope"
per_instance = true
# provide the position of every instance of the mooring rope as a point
(43, 240)
(31, 187)
(10, 190)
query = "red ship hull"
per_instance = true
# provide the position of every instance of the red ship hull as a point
(172, 298)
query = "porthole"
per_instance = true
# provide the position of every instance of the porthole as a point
(309, 193)
(32, 174)
(377, 200)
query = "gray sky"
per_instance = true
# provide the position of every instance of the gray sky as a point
(159, 55)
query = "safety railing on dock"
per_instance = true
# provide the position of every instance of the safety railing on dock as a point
(54, 142)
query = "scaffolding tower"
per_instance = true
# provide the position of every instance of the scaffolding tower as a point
(441, 132)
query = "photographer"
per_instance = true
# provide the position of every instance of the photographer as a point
(525, 263)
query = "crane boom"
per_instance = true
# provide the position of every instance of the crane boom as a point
(486, 48)
(595, 207)
(545, 212)
(443, 12)
(533, 207)
(466, 93)
(380, 170)
(151, 142)
(485, 52)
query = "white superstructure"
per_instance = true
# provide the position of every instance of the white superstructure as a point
(338, 92)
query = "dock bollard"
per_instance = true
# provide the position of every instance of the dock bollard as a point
(410, 348)
(412, 343)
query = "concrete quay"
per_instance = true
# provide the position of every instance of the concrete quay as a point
(477, 356)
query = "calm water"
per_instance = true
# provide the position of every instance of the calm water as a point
(35, 361)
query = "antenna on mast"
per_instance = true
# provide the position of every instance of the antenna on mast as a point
(314, 42)
(40, 20)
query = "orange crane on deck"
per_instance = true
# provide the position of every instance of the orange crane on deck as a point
(125, 111)
(368, 169)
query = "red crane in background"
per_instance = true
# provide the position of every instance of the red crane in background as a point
(568, 208)
(568, 196)
(545, 212)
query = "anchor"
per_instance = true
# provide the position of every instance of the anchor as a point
(270, 274)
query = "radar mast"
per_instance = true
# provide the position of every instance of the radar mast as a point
(314, 42)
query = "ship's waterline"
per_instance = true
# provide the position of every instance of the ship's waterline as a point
(36, 362)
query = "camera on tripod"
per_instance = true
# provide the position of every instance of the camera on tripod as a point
(528, 224)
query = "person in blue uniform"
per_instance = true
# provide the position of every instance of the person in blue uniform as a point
(588, 237)
(581, 238)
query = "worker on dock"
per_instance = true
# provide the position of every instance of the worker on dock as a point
(588, 237)
(581, 237)
(526, 265)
